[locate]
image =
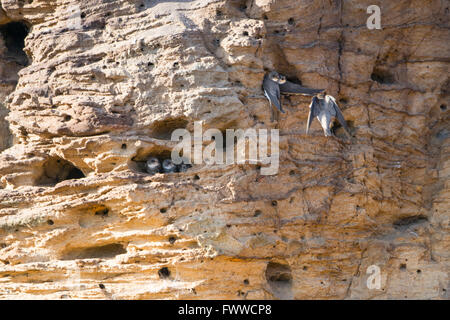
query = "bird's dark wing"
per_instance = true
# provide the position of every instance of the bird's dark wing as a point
(313, 111)
(339, 115)
(272, 91)
(288, 88)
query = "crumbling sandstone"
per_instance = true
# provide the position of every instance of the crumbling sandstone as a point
(92, 101)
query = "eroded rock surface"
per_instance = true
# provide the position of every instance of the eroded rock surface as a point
(104, 84)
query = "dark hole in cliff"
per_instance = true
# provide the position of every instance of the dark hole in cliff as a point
(101, 286)
(163, 210)
(14, 34)
(164, 273)
(56, 170)
(102, 211)
(123, 146)
(139, 162)
(246, 282)
(163, 129)
(257, 213)
(245, 33)
(419, 271)
(98, 252)
(403, 266)
(382, 76)
(274, 203)
(196, 177)
(404, 223)
(443, 107)
(172, 239)
(50, 222)
(279, 278)
(243, 7)
(291, 21)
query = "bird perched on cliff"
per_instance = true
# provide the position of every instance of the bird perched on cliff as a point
(325, 108)
(153, 165)
(168, 166)
(275, 83)
(271, 87)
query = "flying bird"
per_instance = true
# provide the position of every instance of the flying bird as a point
(325, 109)
(168, 166)
(153, 165)
(290, 88)
(271, 86)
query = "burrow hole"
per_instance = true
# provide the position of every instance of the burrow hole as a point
(55, 170)
(139, 161)
(279, 277)
(14, 34)
(382, 76)
(163, 129)
(164, 273)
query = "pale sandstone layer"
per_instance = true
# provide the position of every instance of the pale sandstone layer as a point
(97, 98)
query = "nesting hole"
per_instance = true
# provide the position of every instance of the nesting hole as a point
(56, 170)
(14, 34)
(443, 107)
(163, 129)
(164, 273)
(172, 239)
(382, 76)
(138, 162)
(279, 278)
(101, 211)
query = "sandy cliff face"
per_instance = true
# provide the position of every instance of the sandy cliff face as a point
(104, 83)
